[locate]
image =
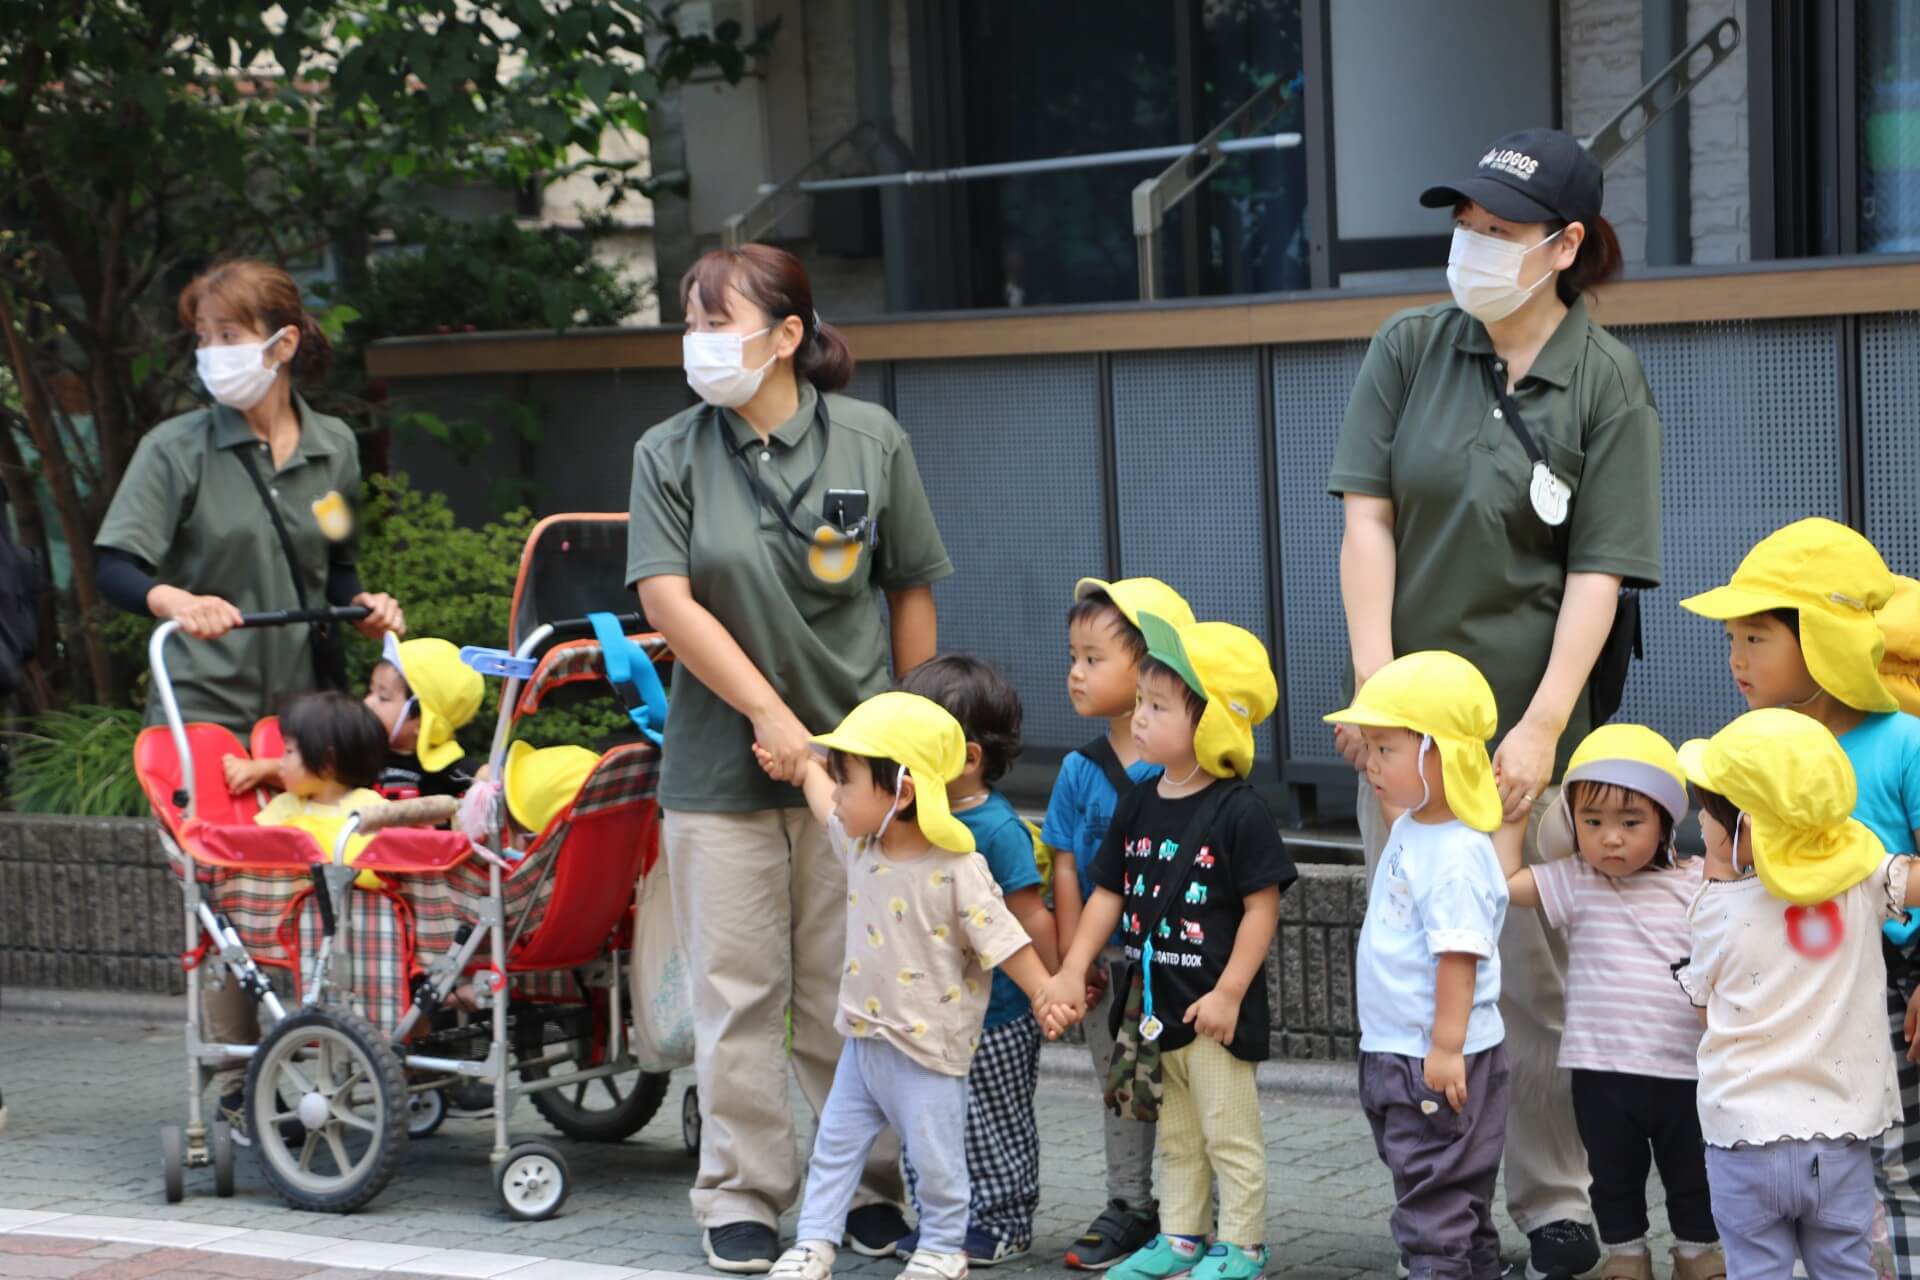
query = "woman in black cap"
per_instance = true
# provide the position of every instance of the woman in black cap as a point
(1500, 471)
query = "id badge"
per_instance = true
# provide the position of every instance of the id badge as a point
(1550, 494)
(1150, 1028)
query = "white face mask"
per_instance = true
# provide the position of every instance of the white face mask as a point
(239, 376)
(716, 367)
(1484, 273)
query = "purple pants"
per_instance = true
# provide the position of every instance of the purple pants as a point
(1816, 1196)
(1443, 1162)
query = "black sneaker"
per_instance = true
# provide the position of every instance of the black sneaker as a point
(1563, 1250)
(874, 1230)
(1119, 1231)
(741, 1248)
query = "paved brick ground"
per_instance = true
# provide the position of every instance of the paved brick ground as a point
(85, 1100)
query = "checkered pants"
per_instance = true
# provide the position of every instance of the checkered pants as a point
(1003, 1142)
(1896, 1154)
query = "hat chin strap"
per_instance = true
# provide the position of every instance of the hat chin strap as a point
(899, 781)
(1733, 850)
(1426, 792)
(400, 721)
(1812, 697)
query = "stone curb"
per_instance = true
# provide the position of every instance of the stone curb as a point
(1319, 1083)
(49, 1003)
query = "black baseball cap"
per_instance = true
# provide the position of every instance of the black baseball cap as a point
(1536, 175)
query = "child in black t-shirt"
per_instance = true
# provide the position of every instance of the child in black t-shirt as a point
(1191, 870)
(423, 694)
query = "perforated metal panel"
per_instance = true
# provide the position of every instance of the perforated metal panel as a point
(1311, 384)
(592, 420)
(1009, 452)
(1752, 441)
(869, 382)
(1187, 445)
(1889, 402)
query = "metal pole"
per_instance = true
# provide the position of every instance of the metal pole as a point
(1053, 164)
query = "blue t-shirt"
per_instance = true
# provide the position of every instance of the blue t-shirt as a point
(1079, 812)
(1885, 751)
(1438, 889)
(1004, 841)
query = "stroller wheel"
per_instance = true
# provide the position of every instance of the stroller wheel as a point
(690, 1120)
(532, 1181)
(220, 1148)
(173, 1162)
(609, 1109)
(327, 1107)
(425, 1110)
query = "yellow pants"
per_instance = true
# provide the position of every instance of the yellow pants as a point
(1210, 1130)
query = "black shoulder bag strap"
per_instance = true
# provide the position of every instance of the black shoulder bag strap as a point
(1101, 752)
(329, 660)
(1607, 682)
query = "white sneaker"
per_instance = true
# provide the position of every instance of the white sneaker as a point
(804, 1262)
(925, 1264)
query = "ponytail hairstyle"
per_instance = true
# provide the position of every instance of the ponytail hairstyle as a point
(261, 296)
(774, 281)
(1598, 262)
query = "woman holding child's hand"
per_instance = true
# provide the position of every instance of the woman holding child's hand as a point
(762, 521)
(1499, 469)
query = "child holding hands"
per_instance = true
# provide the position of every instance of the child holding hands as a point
(1191, 870)
(1631, 1038)
(925, 921)
(1433, 1065)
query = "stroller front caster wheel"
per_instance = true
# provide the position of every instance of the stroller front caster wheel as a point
(173, 1162)
(532, 1182)
(425, 1111)
(690, 1120)
(220, 1149)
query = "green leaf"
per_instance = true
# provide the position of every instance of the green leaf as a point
(597, 82)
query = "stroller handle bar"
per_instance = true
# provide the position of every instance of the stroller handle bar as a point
(170, 705)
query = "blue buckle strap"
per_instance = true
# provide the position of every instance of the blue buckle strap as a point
(630, 671)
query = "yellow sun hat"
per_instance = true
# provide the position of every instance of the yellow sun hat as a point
(1444, 697)
(1622, 755)
(1135, 596)
(1900, 624)
(1837, 581)
(1789, 775)
(541, 782)
(923, 738)
(1229, 667)
(447, 691)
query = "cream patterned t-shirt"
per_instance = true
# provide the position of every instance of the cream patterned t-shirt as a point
(921, 935)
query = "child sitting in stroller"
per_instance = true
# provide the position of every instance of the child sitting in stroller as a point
(334, 749)
(540, 783)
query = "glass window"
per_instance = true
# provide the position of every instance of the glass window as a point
(1889, 105)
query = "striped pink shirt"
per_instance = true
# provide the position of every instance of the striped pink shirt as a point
(1625, 1012)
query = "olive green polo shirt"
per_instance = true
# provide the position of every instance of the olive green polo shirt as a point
(187, 507)
(809, 618)
(1477, 572)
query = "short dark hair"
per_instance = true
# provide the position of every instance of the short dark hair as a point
(1196, 703)
(886, 774)
(1789, 617)
(1724, 811)
(984, 702)
(1098, 606)
(1587, 791)
(338, 737)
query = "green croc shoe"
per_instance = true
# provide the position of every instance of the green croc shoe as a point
(1231, 1262)
(1158, 1260)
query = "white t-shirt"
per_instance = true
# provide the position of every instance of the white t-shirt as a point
(1796, 1045)
(1438, 889)
(1624, 935)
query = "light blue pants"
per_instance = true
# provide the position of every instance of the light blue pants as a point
(874, 1087)
(1815, 1195)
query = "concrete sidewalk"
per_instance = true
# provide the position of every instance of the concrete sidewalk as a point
(86, 1097)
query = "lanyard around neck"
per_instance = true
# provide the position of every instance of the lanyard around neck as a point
(762, 491)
